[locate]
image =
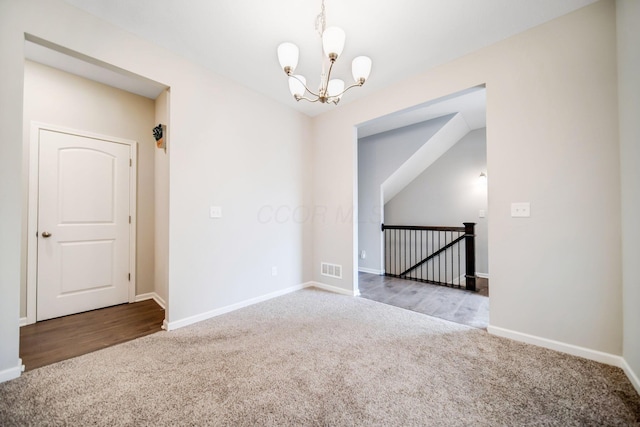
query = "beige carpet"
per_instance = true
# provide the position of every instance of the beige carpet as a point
(315, 358)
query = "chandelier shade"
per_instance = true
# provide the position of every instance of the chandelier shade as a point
(288, 56)
(330, 90)
(361, 68)
(335, 87)
(297, 85)
(333, 42)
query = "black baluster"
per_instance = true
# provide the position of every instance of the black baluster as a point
(470, 255)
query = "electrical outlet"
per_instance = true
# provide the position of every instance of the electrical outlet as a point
(274, 271)
(521, 210)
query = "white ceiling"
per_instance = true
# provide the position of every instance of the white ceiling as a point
(238, 38)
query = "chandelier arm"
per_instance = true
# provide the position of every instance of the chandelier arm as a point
(329, 75)
(350, 87)
(305, 86)
(298, 98)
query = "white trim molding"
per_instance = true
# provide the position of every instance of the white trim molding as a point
(462, 279)
(170, 326)
(334, 289)
(370, 271)
(154, 296)
(12, 373)
(574, 350)
(23, 322)
(631, 375)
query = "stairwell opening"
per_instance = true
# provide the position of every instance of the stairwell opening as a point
(422, 167)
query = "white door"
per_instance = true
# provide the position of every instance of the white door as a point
(83, 224)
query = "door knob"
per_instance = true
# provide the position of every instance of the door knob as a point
(46, 234)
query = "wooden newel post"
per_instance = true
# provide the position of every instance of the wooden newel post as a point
(470, 255)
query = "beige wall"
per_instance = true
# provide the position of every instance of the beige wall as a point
(229, 146)
(628, 17)
(552, 140)
(58, 98)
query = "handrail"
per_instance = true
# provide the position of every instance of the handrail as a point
(422, 227)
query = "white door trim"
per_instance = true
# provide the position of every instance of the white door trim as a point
(32, 225)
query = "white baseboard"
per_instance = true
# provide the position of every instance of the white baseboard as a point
(333, 289)
(631, 375)
(154, 296)
(23, 322)
(370, 271)
(595, 355)
(170, 326)
(462, 279)
(574, 350)
(12, 373)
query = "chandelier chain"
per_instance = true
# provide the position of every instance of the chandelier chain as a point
(321, 20)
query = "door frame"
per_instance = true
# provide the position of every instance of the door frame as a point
(32, 225)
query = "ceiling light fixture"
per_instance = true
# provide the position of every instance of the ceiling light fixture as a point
(331, 90)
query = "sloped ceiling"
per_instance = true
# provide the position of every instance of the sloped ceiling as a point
(471, 104)
(238, 38)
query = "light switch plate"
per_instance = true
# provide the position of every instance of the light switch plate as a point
(521, 210)
(482, 213)
(215, 212)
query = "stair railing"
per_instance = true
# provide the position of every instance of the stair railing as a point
(431, 254)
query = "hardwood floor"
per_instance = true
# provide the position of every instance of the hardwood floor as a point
(58, 339)
(456, 305)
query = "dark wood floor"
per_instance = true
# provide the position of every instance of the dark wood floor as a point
(456, 305)
(58, 339)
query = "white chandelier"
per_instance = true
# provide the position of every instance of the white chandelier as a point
(331, 90)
